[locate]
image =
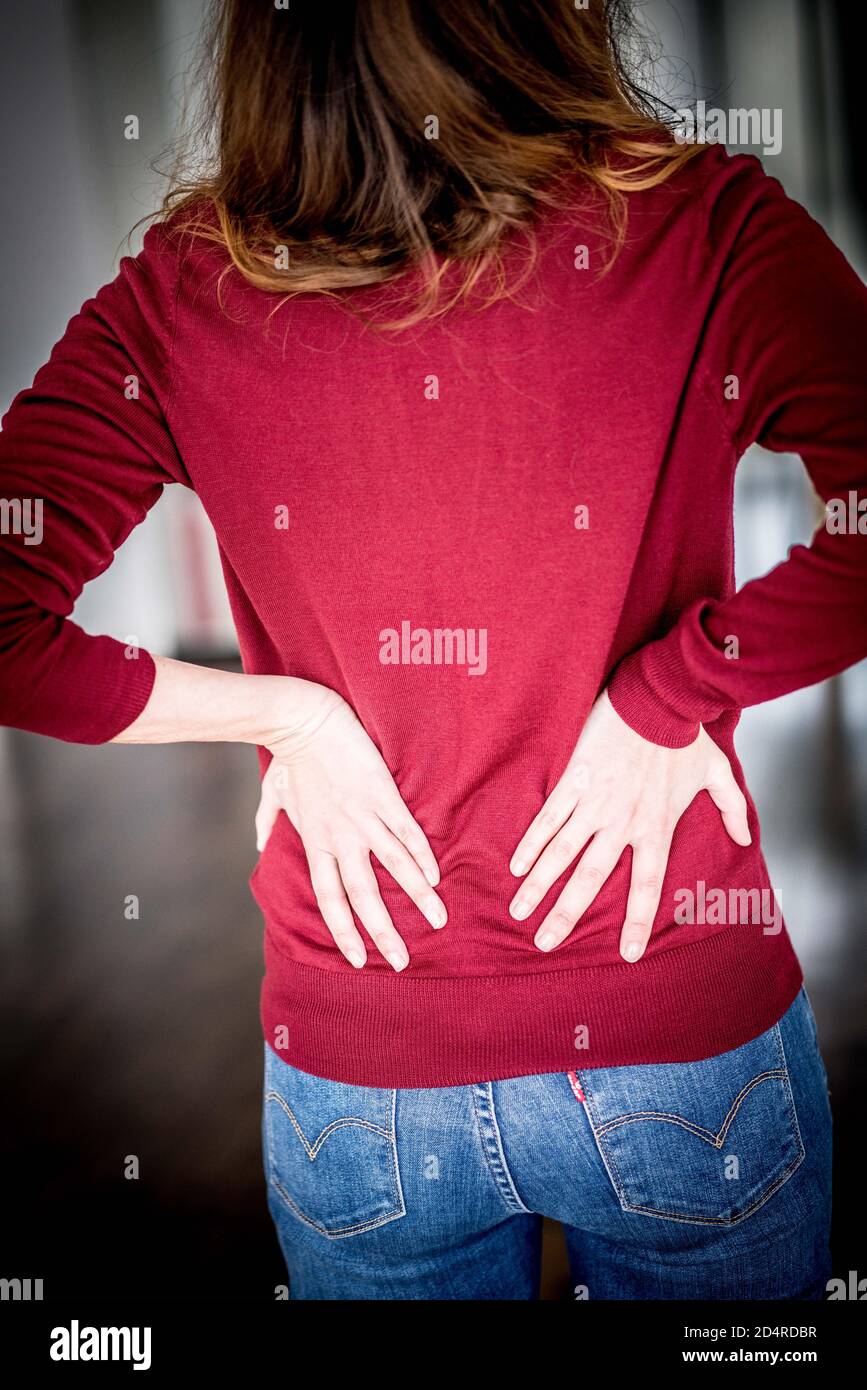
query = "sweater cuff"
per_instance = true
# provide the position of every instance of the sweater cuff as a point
(94, 690)
(127, 686)
(643, 691)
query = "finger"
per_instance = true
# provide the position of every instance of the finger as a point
(552, 817)
(362, 891)
(727, 796)
(266, 814)
(565, 847)
(335, 910)
(397, 860)
(597, 863)
(407, 829)
(649, 862)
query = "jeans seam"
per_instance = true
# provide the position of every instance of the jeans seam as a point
(492, 1146)
(788, 1086)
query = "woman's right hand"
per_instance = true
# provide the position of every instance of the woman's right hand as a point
(330, 779)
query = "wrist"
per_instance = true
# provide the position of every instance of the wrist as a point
(291, 711)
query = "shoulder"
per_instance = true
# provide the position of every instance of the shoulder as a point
(739, 204)
(170, 244)
(723, 219)
(140, 305)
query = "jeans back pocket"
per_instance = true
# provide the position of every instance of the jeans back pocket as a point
(331, 1150)
(706, 1142)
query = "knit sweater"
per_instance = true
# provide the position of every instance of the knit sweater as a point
(469, 529)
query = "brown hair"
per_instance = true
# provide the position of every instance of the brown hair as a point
(346, 142)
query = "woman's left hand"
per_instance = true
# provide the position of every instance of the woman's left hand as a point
(618, 790)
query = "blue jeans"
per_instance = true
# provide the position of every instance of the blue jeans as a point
(701, 1180)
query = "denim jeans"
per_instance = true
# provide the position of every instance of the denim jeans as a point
(701, 1180)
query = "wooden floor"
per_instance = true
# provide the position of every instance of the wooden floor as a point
(141, 1037)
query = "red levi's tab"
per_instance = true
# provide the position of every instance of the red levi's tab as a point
(576, 1087)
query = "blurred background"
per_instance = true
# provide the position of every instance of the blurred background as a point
(141, 1038)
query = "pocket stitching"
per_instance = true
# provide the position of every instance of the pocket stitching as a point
(617, 1181)
(313, 1150)
(360, 1226)
(340, 1231)
(716, 1140)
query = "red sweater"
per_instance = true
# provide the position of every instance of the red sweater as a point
(357, 483)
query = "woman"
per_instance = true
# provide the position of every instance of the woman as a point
(459, 347)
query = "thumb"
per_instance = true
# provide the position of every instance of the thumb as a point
(266, 814)
(730, 801)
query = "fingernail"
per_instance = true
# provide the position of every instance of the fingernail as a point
(520, 908)
(631, 951)
(259, 845)
(545, 941)
(518, 867)
(398, 961)
(432, 877)
(356, 959)
(434, 912)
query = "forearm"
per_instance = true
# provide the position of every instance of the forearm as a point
(198, 704)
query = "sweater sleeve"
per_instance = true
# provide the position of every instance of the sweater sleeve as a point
(84, 454)
(784, 352)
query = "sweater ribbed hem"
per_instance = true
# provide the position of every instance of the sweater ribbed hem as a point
(682, 1005)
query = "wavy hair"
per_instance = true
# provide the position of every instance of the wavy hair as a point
(338, 145)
